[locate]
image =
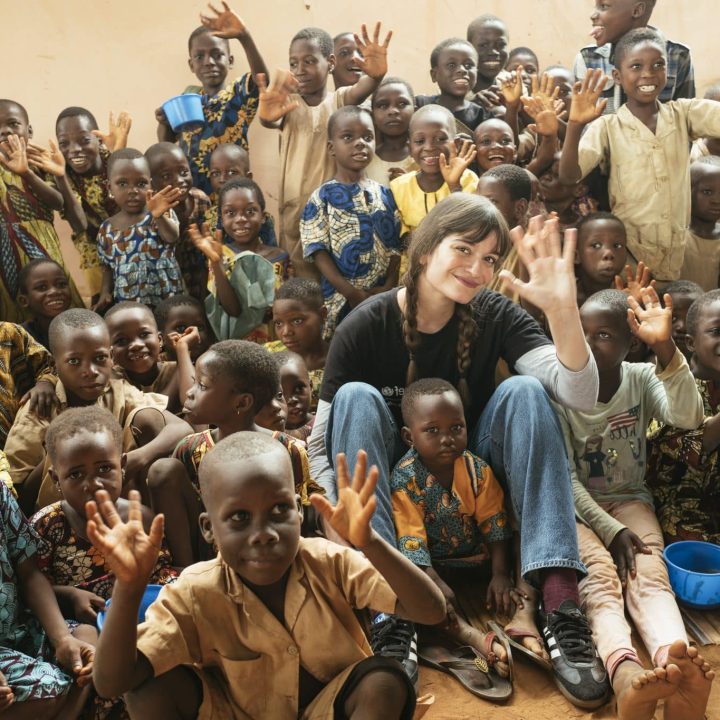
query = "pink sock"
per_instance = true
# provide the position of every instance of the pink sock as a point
(558, 585)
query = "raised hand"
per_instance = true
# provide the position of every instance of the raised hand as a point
(350, 518)
(210, 246)
(511, 87)
(116, 136)
(225, 23)
(160, 202)
(274, 102)
(634, 285)
(51, 161)
(546, 123)
(550, 265)
(544, 90)
(190, 338)
(623, 549)
(653, 322)
(129, 551)
(13, 154)
(453, 168)
(587, 105)
(373, 54)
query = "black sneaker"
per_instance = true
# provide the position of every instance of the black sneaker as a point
(579, 672)
(395, 638)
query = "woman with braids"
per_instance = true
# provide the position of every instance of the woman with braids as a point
(444, 323)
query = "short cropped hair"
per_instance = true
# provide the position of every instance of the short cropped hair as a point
(73, 421)
(696, 310)
(522, 50)
(478, 22)
(514, 178)
(75, 319)
(613, 301)
(350, 111)
(21, 108)
(238, 446)
(129, 305)
(123, 154)
(251, 367)
(321, 37)
(450, 42)
(636, 37)
(202, 30)
(77, 112)
(161, 149)
(426, 386)
(241, 184)
(163, 308)
(683, 287)
(303, 290)
(599, 215)
(25, 271)
(392, 80)
(420, 114)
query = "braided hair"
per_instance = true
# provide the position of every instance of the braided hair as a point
(475, 218)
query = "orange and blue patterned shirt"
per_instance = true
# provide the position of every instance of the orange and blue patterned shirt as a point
(436, 524)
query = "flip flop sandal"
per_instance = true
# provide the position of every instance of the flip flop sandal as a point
(469, 668)
(497, 635)
(512, 636)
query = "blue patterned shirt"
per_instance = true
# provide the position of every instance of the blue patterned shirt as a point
(680, 73)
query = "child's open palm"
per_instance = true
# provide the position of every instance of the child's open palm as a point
(634, 285)
(586, 102)
(550, 266)
(274, 102)
(160, 202)
(512, 88)
(651, 322)
(453, 168)
(350, 518)
(225, 24)
(211, 247)
(13, 154)
(116, 136)
(129, 551)
(51, 161)
(373, 54)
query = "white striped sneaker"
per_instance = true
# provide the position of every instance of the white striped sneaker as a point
(579, 673)
(396, 638)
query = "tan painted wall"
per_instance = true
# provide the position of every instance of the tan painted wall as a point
(132, 54)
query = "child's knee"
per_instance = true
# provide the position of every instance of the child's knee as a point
(382, 689)
(146, 425)
(176, 693)
(166, 474)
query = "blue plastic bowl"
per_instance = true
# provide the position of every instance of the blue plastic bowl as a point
(151, 592)
(694, 570)
(184, 112)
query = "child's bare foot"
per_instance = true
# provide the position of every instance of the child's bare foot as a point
(523, 629)
(466, 634)
(638, 690)
(691, 699)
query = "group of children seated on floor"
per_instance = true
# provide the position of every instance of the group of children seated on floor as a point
(190, 386)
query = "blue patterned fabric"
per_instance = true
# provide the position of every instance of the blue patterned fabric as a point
(23, 646)
(358, 225)
(144, 267)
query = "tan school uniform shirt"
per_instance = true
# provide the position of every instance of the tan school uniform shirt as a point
(24, 445)
(305, 164)
(649, 183)
(210, 620)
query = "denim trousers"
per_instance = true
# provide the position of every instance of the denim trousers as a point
(517, 434)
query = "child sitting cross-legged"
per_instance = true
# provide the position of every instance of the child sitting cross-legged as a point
(350, 227)
(619, 537)
(233, 381)
(448, 508)
(267, 628)
(84, 446)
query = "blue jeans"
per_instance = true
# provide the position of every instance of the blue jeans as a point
(517, 434)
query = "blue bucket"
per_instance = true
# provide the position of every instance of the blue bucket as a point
(694, 570)
(184, 112)
(148, 598)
